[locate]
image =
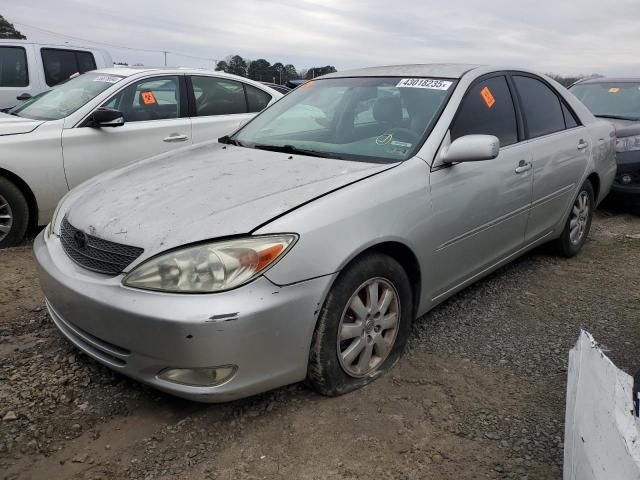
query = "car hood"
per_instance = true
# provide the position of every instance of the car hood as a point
(12, 125)
(204, 192)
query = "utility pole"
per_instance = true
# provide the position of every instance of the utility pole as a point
(165, 57)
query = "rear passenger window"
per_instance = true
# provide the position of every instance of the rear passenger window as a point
(487, 109)
(541, 106)
(257, 99)
(218, 96)
(60, 64)
(570, 119)
(13, 67)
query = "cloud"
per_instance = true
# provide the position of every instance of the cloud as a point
(550, 36)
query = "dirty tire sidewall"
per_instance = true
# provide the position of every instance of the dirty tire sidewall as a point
(563, 244)
(325, 374)
(19, 210)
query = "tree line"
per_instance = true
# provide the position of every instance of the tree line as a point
(264, 71)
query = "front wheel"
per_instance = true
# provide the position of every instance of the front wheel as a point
(363, 326)
(576, 230)
(14, 214)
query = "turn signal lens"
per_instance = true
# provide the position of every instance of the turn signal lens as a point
(212, 267)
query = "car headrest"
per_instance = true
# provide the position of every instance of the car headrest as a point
(388, 110)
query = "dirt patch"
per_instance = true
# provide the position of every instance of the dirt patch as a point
(479, 394)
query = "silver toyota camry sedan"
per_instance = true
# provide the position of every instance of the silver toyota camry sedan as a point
(304, 245)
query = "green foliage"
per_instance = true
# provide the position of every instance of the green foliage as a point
(263, 71)
(7, 30)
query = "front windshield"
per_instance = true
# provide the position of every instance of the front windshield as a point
(66, 98)
(374, 119)
(613, 100)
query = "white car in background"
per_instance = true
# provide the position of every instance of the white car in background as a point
(27, 68)
(60, 138)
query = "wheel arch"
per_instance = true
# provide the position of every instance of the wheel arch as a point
(594, 178)
(28, 195)
(407, 259)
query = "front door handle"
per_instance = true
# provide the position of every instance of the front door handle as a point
(523, 167)
(175, 138)
(582, 144)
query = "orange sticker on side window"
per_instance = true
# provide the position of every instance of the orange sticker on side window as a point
(614, 89)
(148, 98)
(487, 96)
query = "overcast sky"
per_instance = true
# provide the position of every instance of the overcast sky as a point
(560, 36)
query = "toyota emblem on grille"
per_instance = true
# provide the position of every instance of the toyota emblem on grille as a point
(81, 239)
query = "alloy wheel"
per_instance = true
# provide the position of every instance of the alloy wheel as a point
(579, 218)
(368, 327)
(6, 218)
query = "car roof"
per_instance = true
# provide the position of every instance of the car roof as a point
(609, 80)
(126, 71)
(444, 70)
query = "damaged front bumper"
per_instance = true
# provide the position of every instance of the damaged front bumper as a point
(261, 329)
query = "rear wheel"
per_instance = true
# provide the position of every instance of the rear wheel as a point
(14, 214)
(363, 326)
(576, 230)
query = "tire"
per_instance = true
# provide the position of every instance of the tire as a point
(14, 214)
(331, 370)
(576, 230)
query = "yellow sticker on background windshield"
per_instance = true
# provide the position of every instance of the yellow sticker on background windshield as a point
(487, 96)
(614, 89)
(305, 85)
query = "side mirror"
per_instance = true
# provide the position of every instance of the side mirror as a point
(24, 96)
(106, 117)
(472, 148)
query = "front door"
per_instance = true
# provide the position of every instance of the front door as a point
(155, 122)
(480, 209)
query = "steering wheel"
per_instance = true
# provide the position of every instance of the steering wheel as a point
(405, 134)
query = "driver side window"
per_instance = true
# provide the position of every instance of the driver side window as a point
(487, 109)
(156, 98)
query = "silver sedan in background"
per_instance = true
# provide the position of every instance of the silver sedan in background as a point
(304, 245)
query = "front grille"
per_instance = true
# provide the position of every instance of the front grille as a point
(94, 253)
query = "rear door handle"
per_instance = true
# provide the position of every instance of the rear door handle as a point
(175, 138)
(523, 167)
(582, 145)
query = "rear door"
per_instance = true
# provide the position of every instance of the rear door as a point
(480, 209)
(221, 105)
(560, 148)
(156, 121)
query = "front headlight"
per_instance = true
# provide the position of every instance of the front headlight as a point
(628, 144)
(210, 267)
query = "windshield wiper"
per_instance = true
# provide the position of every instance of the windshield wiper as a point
(227, 140)
(295, 150)
(618, 117)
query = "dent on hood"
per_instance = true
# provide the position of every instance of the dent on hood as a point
(204, 192)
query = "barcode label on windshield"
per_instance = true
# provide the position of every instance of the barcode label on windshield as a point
(424, 83)
(106, 78)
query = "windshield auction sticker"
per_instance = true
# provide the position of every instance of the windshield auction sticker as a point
(429, 83)
(107, 78)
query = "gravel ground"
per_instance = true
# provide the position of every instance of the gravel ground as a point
(479, 394)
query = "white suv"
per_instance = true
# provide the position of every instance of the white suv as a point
(60, 138)
(27, 68)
